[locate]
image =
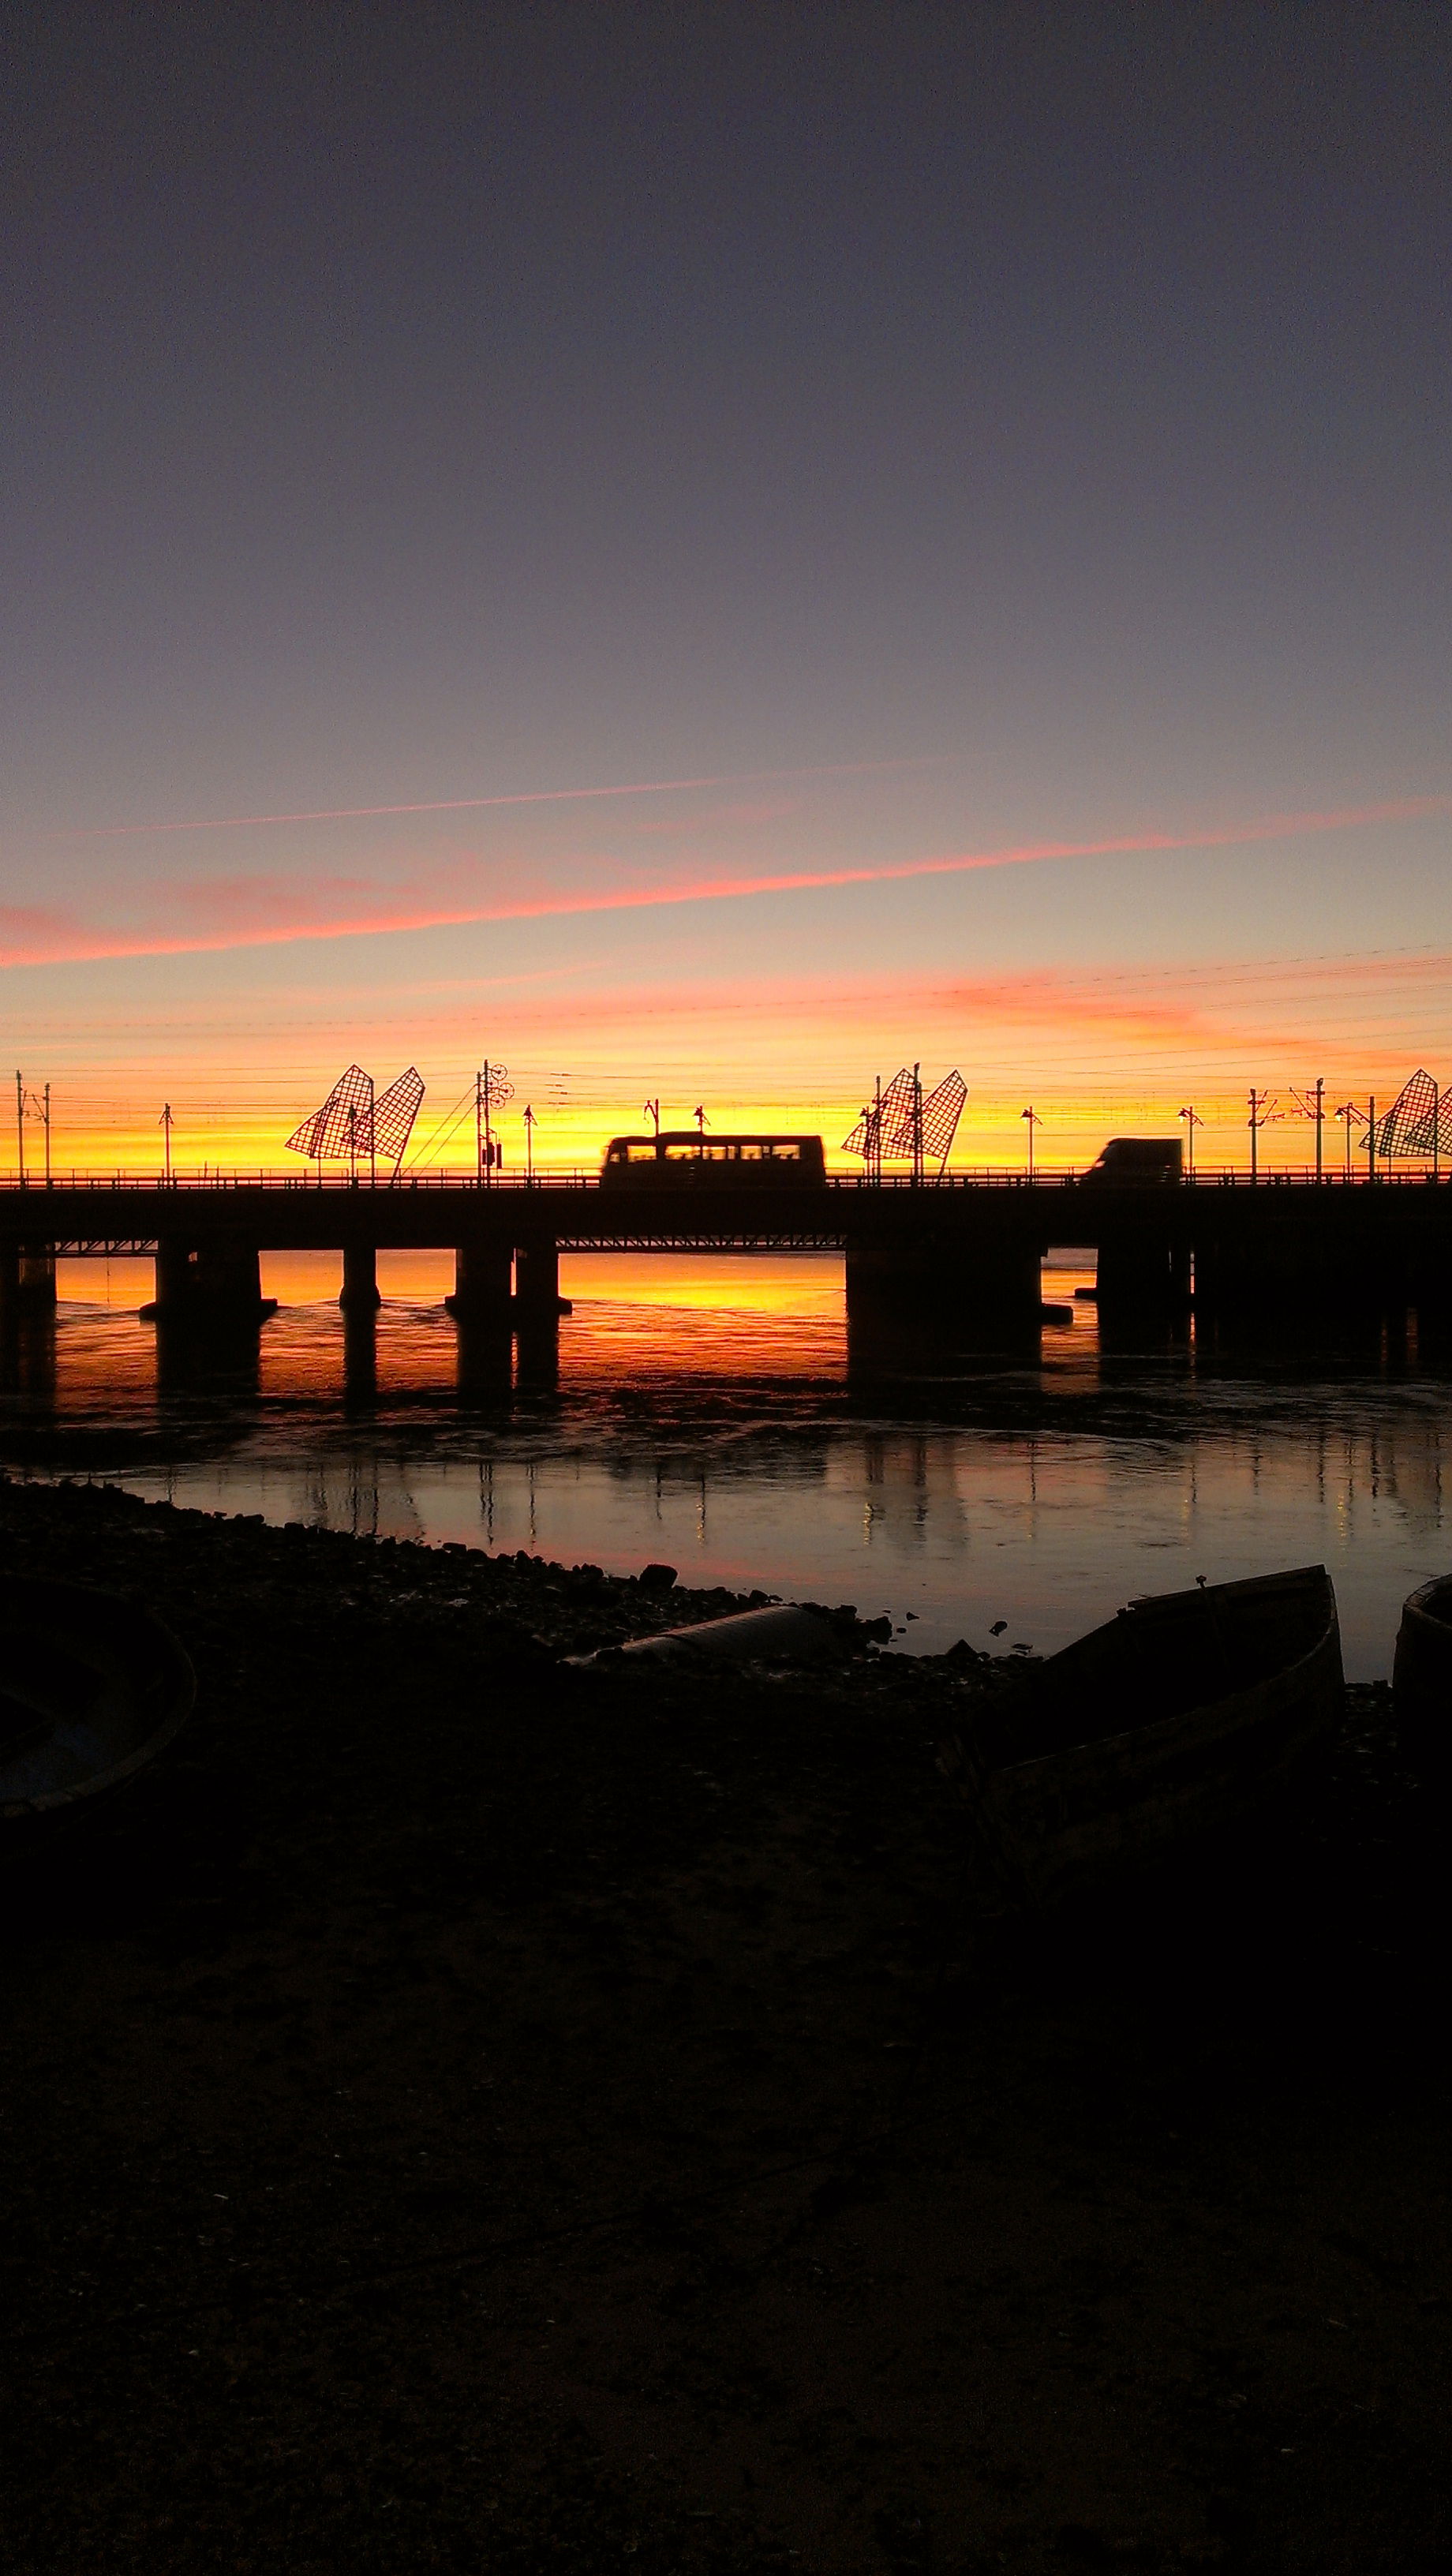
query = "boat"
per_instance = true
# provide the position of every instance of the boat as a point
(1422, 1674)
(1188, 1713)
(91, 1687)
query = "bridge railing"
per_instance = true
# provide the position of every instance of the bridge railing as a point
(984, 1177)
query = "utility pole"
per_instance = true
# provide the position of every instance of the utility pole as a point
(46, 1113)
(1318, 1112)
(492, 1088)
(164, 1123)
(917, 1126)
(20, 1126)
(1034, 1121)
(1261, 1105)
(1192, 1119)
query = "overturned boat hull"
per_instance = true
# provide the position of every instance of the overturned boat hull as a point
(91, 1688)
(1188, 1713)
(1422, 1676)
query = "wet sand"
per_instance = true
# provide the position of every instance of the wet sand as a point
(465, 2112)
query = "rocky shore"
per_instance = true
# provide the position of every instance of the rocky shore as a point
(466, 2111)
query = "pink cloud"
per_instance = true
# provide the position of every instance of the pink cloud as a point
(260, 910)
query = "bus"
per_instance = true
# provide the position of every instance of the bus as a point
(680, 1159)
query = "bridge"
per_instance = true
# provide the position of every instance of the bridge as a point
(952, 1262)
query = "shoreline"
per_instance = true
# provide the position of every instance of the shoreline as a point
(465, 2112)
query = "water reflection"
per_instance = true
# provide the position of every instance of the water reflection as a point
(707, 1412)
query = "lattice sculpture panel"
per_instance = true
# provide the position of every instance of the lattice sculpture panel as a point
(1408, 1127)
(863, 1139)
(343, 1125)
(393, 1115)
(941, 1112)
(905, 1121)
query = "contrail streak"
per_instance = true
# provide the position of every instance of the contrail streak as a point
(475, 804)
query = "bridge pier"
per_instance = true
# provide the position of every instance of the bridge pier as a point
(359, 1293)
(537, 1296)
(1141, 1271)
(215, 1283)
(27, 1279)
(481, 1285)
(934, 1302)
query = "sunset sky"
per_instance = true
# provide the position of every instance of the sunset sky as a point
(712, 553)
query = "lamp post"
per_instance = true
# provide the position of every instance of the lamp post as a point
(652, 1112)
(164, 1122)
(1034, 1121)
(529, 1127)
(1192, 1119)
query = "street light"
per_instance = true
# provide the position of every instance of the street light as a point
(1192, 1119)
(1034, 1121)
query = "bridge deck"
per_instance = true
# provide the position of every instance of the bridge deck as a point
(95, 1217)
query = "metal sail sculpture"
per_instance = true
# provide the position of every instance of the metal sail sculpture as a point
(1419, 1120)
(394, 1114)
(903, 1125)
(352, 1125)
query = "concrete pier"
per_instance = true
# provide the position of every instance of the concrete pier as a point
(1142, 1271)
(981, 1299)
(359, 1293)
(215, 1282)
(27, 1279)
(537, 1296)
(482, 1275)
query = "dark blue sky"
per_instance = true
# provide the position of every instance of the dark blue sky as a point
(421, 403)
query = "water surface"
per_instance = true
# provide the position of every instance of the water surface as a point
(703, 1413)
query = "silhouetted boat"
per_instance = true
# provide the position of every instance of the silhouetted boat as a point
(91, 1686)
(1187, 1713)
(1422, 1674)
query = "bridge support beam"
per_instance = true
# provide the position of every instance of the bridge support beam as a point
(1141, 1271)
(27, 1279)
(37, 1277)
(217, 1284)
(537, 1296)
(359, 1294)
(936, 1301)
(481, 1285)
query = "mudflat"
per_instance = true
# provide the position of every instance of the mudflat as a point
(464, 2111)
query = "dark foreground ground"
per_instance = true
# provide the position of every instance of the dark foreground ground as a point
(465, 2113)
